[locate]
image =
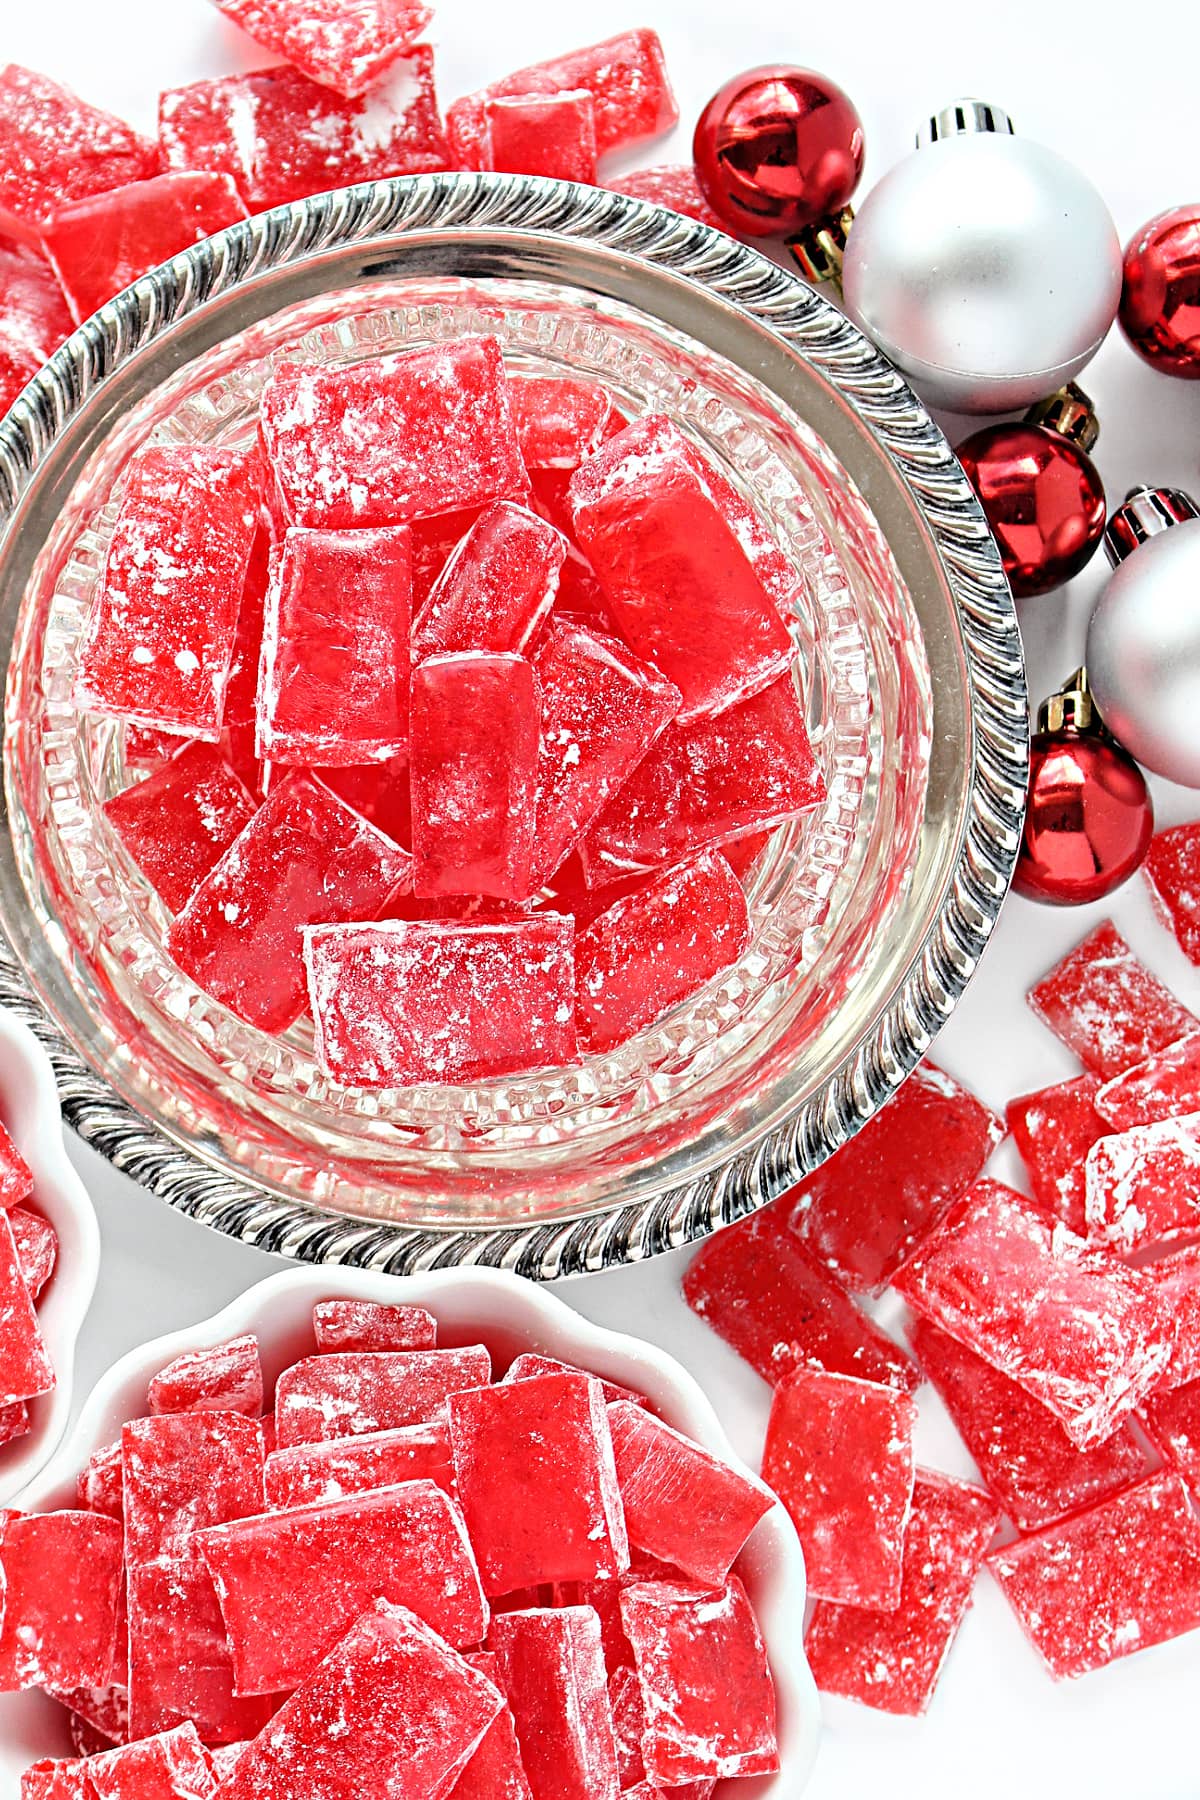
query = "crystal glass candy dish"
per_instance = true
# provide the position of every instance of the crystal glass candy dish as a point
(869, 913)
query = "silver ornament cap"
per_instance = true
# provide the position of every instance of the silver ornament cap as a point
(1143, 641)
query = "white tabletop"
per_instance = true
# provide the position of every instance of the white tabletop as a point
(1120, 101)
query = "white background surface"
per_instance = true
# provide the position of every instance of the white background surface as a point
(1119, 99)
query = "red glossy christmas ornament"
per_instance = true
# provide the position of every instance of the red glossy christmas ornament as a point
(1041, 491)
(778, 149)
(1090, 817)
(1160, 301)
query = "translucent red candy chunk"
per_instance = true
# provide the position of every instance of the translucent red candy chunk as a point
(674, 571)
(551, 1667)
(99, 1716)
(171, 1766)
(1086, 1336)
(34, 319)
(378, 443)
(56, 1781)
(673, 186)
(538, 1486)
(346, 1394)
(474, 764)
(560, 420)
(346, 47)
(496, 1771)
(290, 1583)
(55, 148)
(707, 782)
(706, 1684)
(1172, 869)
(681, 1505)
(1107, 1007)
(307, 1474)
(1166, 1085)
(542, 134)
(179, 822)
(364, 1325)
(25, 1366)
(61, 1576)
(333, 686)
(104, 243)
(839, 1454)
(892, 1660)
(1054, 1129)
(390, 1711)
(184, 1472)
(864, 1209)
(1028, 1463)
(180, 1667)
(497, 586)
(629, 1724)
(427, 1001)
(158, 644)
(101, 1484)
(532, 1362)
(1143, 1185)
(625, 75)
(15, 1422)
(1173, 1421)
(305, 858)
(16, 1177)
(602, 709)
(282, 137)
(658, 947)
(220, 1378)
(1117, 1578)
(1177, 1278)
(769, 1297)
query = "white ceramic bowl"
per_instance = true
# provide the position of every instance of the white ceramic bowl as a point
(30, 1111)
(471, 1306)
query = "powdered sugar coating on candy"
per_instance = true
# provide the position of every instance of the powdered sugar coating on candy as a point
(415, 1000)
(532, 1362)
(346, 45)
(1054, 1129)
(180, 1667)
(1117, 1578)
(1143, 1185)
(25, 1366)
(382, 441)
(496, 587)
(55, 148)
(1086, 1336)
(364, 1325)
(179, 822)
(1165, 1086)
(552, 135)
(100, 1486)
(1177, 1278)
(671, 185)
(1107, 1007)
(55, 1781)
(219, 1378)
(1173, 1422)
(1172, 871)
(345, 1394)
(34, 319)
(61, 1578)
(561, 420)
(171, 1766)
(308, 1474)
(551, 1667)
(184, 1472)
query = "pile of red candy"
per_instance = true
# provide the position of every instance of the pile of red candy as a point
(405, 1579)
(1062, 1333)
(28, 1254)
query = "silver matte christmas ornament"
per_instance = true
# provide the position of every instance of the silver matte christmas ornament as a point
(988, 268)
(1143, 643)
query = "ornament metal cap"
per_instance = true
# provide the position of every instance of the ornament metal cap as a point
(1071, 414)
(1144, 513)
(820, 250)
(964, 118)
(1071, 708)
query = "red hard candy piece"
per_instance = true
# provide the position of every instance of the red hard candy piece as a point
(345, 1395)
(1028, 1463)
(171, 1766)
(36, 1243)
(673, 186)
(220, 1378)
(691, 1790)
(34, 319)
(85, 1741)
(282, 137)
(551, 1667)
(534, 1464)
(680, 584)
(1107, 1007)
(380, 792)
(531, 1362)
(99, 1713)
(1054, 1129)
(434, 541)
(16, 1422)
(681, 1504)
(242, 690)
(391, 1710)
(380, 442)
(560, 420)
(1172, 869)
(629, 1725)
(1117, 1578)
(864, 1209)
(496, 1771)
(180, 1666)
(25, 1366)
(1173, 1422)
(1143, 1185)
(291, 1583)
(706, 1685)
(892, 1660)
(105, 243)
(769, 1297)
(496, 587)
(334, 677)
(1086, 1336)
(304, 859)
(179, 822)
(436, 1001)
(55, 148)
(101, 1485)
(708, 782)
(344, 47)
(474, 766)
(602, 709)
(61, 1575)
(1177, 1278)
(16, 1177)
(839, 1454)
(1165, 1086)
(225, 1759)
(363, 1325)
(553, 135)
(184, 1472)
(656, 948)
(159, 639)
(307, 1474)
(56, 1781)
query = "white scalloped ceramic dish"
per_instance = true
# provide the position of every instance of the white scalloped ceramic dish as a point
(471, 1306)
(30, 1111)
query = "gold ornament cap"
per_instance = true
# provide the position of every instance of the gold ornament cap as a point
(1071, 414)
(820, 250)
(1071, 708)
